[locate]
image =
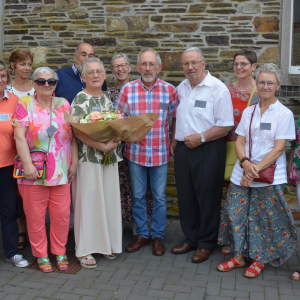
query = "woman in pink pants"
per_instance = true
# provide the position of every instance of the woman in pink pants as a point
(39, 124)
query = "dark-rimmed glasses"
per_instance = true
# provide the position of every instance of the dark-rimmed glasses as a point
(42, 81)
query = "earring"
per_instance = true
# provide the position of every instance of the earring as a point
(34, 95)
(13, 72)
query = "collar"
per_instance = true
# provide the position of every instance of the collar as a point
(5, 95)
(76, 72)
(145, 88)
(208, 80)
(271, 107)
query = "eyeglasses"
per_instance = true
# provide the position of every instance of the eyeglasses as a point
(3, 77)
(42, 81)
(242, 64)
(116, 67)
(193, 63)
(92, 73)
(144, 65)
(270, 84)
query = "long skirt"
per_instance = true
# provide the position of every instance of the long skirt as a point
(258, 223)
(97, 209)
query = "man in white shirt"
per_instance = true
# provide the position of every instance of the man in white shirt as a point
(204, 117)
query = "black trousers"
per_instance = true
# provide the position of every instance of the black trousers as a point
(199, 175)
(8, 211)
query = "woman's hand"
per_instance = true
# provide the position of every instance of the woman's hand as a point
(30, 172)
(111, 145)
(251, 170)
(245, 182)
(72, 171)
(291, 182)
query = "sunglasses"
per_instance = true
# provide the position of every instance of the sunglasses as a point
(42, 81)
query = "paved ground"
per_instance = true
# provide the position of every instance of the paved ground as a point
(142, 276)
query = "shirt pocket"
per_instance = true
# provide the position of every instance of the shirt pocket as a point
(202, 109)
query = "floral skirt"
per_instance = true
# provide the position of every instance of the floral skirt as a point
(258, 223)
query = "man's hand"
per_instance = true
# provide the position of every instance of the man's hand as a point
(173, 146)
(193, 140)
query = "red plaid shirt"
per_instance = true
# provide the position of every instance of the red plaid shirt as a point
(135, 99)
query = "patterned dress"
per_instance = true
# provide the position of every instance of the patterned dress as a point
(295, 171)
(125, 183)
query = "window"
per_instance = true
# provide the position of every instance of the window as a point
(294, 57)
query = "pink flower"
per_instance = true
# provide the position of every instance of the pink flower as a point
(96, 116)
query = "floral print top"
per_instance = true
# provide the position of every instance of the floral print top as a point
(30, 114)
(295, 171)
(239, 103)
(82, 104)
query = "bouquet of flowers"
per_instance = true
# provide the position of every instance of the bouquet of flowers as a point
(97, 116)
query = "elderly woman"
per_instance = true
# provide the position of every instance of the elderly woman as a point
(20, 61)
(120, 68)
(243, 94)
(39, 124)
(95, 190)
(8, 184)
(257, 222)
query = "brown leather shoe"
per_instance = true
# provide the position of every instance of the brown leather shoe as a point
(137, 243)
(200, 255)
(182, 249)
(158, 246)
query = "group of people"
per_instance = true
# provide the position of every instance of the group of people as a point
(207, 117)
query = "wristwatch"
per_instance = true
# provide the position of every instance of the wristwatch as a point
(202, 138)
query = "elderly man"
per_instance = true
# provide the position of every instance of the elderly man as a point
(204, 117)
(70, 82)
(151, 155)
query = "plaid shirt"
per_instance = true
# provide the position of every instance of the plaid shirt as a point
(135, 99)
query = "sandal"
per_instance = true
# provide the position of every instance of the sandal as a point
(226, 250)
(45, 264)
(226, 267)
(22, 245)
(254, 271)
(84, 260)
(62, 262)
(111, 256)
(298, 277)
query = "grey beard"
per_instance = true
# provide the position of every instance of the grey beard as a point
(79, 68)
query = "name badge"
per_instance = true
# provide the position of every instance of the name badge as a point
(265, 126)
(163, 106)
(255, 100)
(96, 108)
(4, 117)
(51, 130)
(200, 103)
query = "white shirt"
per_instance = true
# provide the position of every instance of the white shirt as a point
(20, 94)
(206, 105)
(280, 126)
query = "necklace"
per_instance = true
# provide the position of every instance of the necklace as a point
(92, 93)
(250, 86)
(21, 89)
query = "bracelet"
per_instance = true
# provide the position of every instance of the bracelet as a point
(104, 149)
(242, 160)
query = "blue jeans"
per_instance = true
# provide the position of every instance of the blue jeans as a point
(158, 183)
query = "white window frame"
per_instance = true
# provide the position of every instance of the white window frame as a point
(292, 69)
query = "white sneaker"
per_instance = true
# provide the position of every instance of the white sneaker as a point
(18, 261)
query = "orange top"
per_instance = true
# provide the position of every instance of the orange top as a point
(7, 143)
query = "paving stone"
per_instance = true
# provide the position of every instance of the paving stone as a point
(182, 296)
(232, 293)
(9, 297)
(271, 293)
(88, 292)
(137, 297)
(105, 295)
(50, 290)
(30, 294)
(64, 296)
(68, 286)
(228, 283)
(176, 288)
(285, 288)
(218, 298)
(10, 289)
(213, 288)
(288, 297)
(257, 296)
(159, 293)
(87, 298)
(122, 293)
(297, 291)
(157, 283)
(33, 285)
(249, 288)
(55, 281)
(197, 293)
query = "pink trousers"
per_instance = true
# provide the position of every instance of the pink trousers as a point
(36, 199)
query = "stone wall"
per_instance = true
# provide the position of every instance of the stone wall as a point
(53, 28)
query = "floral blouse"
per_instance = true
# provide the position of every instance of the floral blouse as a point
(113, 93)
(83, 104)
(295, 171)
(239, 103)
(30, 114)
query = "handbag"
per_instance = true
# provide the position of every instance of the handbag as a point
(231, 156)
(38, 158)
(266, 175)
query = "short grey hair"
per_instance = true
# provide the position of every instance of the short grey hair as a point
(149, 49)
(43, 70)
(269, 68)
(89, 61)
(119, 56)
(194, 49)
(76, 50)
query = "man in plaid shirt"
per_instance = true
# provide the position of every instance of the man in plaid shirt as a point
(151, 155)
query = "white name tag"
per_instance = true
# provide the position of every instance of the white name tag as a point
(4, 117)
(265, 126)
